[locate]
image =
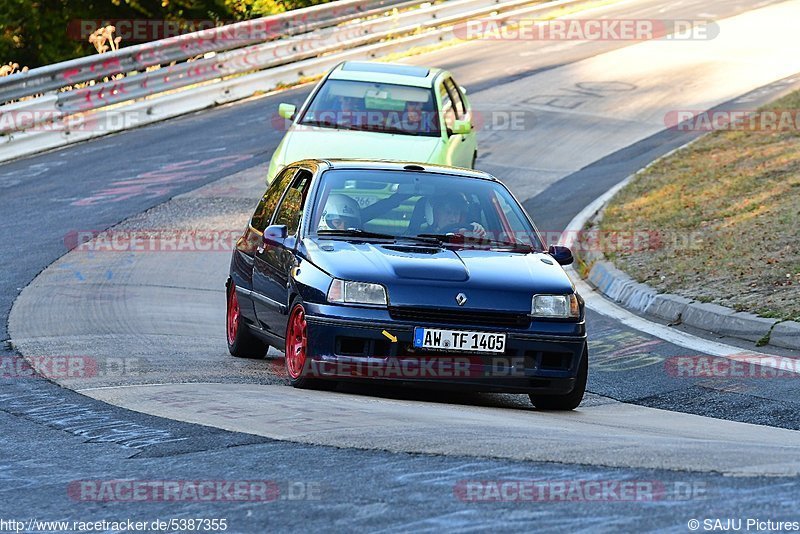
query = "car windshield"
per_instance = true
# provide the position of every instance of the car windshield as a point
(424, 207)
(377, 107)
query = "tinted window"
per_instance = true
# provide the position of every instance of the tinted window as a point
(266, 207)
(510, 221)
(379, 107)
(291, 209)
(402, 203)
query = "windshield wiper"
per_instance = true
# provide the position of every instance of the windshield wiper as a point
(464, 240)
(357, 232)
(443, 238)
(382, 129)
(521, 247)
(325, 123)
(421, 238)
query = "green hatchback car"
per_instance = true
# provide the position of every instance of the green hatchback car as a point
(381, 111)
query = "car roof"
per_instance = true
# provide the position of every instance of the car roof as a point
(388, 165)
(394, 73)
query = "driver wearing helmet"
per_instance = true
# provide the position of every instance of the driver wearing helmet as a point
(448, 214)
(341, 213)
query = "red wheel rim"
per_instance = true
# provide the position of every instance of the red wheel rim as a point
(233, 315)
(296, 343)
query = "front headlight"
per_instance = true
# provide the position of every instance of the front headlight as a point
(347, 292)
(556, 306)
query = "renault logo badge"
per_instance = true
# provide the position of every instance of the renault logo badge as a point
(461, 299)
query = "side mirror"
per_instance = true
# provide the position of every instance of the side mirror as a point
(461, 127)
(287, 111)
(275, 235)
(563, 255)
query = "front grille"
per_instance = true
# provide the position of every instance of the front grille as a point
(460, 317)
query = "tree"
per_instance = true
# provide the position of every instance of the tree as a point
(41, 32)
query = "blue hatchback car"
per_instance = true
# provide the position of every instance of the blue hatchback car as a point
(434, 276)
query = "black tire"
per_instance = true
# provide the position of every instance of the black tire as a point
(241, 341)
(571, 400)
(297, 367)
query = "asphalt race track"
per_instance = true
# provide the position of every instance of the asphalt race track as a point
(174, 405)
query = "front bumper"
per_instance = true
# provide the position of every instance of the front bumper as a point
(361, 343)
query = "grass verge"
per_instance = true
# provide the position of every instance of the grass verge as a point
(723, 220)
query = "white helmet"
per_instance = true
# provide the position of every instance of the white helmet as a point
(343, 208)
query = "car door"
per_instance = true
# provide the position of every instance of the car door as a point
(459, 147)
(275, 260)
(244, 255)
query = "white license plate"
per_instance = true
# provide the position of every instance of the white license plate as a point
(458, 340)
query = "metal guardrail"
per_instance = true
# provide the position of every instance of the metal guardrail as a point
(272, 54)
(183, 47)
(229, 71)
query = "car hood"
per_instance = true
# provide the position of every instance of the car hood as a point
(329, 143)
(433, 276)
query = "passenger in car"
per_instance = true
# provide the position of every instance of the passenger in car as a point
(341, 213)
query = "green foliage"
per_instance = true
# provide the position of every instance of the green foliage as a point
(35, 32)
(727, 215)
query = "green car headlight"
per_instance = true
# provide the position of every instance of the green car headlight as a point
(347, 292)
(556, 306)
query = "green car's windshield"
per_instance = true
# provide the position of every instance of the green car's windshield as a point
(423, 207)
(377, 107)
